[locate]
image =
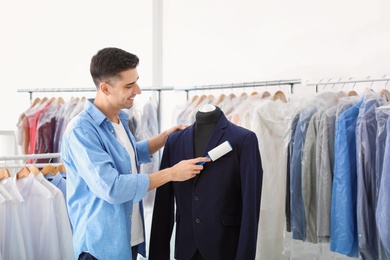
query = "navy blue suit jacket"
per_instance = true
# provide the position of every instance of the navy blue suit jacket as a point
(217, 212)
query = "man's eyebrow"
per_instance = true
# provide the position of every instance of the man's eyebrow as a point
(132, 83)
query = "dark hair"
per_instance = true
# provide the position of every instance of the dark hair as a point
(109, 62)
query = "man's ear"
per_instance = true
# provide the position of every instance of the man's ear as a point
(104, 88)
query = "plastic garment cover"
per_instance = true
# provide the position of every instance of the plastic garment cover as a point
(344, 190)
(188, 115)
(298, 219)
(243, 113)
(382, 114)
(33, 115)
(382, 209)
(309, 160)
(271, 125)
(62, 119)
(366, 131)
(325, 164)
(45, 131)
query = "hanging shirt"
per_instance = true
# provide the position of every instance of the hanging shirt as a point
(366, 130)
(12, 243)
(137, 235)
(10, 186)
(298, 219)
(344, 238)
(99, 178)
(41, 218)
(382, 209)
(62, 220)
(326, 165)
(270, 126)
(57, 180)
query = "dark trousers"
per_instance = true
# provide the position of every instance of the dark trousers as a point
(88, 256)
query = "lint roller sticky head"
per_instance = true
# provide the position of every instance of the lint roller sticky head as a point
(219, 151)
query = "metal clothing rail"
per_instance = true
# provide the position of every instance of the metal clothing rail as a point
(48, 90)
(291, 83)
(348, 81)
(29, 156)
(26, 157)
(43, 90)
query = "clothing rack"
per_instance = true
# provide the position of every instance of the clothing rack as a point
(348, 81)
(48, 90)
(26, 157)
(291, 83)
(31, 91)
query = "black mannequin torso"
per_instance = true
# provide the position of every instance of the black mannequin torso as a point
(204, 125)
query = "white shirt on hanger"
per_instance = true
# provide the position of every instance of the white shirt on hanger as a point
(10, 186)
(41, 218)
(62, 219)
(12, 241)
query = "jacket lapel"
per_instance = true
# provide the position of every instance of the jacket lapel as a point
(189, 142)
(217, 134)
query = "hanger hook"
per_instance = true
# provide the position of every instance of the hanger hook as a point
(335, 83)
(326, 84)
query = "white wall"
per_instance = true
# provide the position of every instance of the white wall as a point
(49, 43)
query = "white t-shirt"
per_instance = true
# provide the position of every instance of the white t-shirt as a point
(137, 234)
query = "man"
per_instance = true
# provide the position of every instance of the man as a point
(102, 157)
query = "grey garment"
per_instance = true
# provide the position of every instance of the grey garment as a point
(309, 163)
(309, 179)
(325, 155)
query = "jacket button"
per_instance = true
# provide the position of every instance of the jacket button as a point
(196, 198)
(197, 220)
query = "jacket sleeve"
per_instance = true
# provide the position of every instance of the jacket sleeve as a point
(251, 180)
(163, 216)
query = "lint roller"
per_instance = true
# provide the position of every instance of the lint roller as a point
(218, 151)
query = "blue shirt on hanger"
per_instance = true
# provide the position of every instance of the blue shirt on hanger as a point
(366, 129)
(298, 218)
(343, 230)
(382, 209)
(101, 188)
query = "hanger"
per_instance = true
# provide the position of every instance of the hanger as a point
(265, 94)
(23, 172)
(49, 169)
(43, 100)
(279, 95)
(385, 93)
(61, 168)
(194, 98)
(200, 100)
(220, 99)
(60, 100)
(4, 174)
(35, 170)
(36, 101)
(352, 93)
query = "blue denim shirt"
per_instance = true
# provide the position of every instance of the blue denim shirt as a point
(101, 188)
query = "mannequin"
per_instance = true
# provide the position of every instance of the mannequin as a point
(216, 214)
(206, 118)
